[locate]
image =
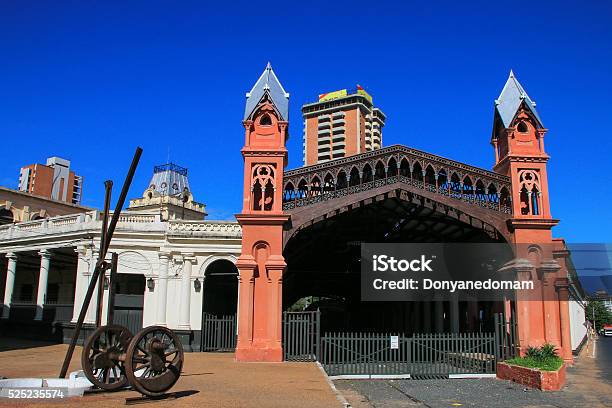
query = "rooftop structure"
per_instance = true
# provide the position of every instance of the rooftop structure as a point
(169, 195)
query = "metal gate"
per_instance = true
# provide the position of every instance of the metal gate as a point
(428, 355)
(218, 332)
(365, 354)
(301, 335)
(506, 338)
(128, 311)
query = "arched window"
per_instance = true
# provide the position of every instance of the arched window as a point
(289, 193)
(302, 189)
(265, 120)
(315, 186)
(522, 127)
(354, 177)
(379, 171)
(342, 182)
(392, 168)
(404, 168)
(6, 216)
(367, 174)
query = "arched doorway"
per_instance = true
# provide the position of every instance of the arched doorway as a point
(219, 306)
(323, 268)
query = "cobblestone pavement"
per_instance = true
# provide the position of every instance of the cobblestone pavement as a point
(588, 385)
(208, 380)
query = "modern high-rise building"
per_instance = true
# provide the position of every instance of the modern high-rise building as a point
(53, 180)
(340, 124)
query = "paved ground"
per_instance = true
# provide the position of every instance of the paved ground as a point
(588, 385)
(208, 380)
(603, 352)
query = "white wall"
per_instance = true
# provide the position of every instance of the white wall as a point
(577, 323)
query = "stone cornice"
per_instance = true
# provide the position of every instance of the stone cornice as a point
(531, 223)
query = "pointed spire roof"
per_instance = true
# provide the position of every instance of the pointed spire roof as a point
(511, 98)
(268, 84)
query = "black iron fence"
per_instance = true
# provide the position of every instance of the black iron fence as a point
(218, 332)
(301, 335)
(419, 356)
(506, 338)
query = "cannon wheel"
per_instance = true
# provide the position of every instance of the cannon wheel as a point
(100, 358)
(154, 360)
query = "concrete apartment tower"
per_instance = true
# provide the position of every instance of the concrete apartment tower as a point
(340, 124)
(53, 180)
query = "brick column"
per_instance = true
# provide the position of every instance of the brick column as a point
(246, 283)
(275, 274)
(562, 286)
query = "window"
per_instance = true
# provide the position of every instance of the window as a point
(522, 127)
(266, 120)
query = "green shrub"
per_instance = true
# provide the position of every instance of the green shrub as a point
(544, 358)
(548, 351)
(533, 352)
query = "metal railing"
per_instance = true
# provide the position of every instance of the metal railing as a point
(427, 355)
(218, 332)
(506, 338)
(301, 335)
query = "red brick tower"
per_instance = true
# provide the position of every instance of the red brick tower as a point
(518, 140)
(261, 264)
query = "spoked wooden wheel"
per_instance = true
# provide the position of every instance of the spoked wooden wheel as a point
(154, 360)
(103, 355)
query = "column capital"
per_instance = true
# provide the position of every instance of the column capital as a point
(550, 266)
(12, 256)
(164, 255)
(45, 253)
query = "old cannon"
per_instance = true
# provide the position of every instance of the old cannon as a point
(150, 361)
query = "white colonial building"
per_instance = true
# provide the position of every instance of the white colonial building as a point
(174, 266)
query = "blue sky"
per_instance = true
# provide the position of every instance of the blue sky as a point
(89, 81)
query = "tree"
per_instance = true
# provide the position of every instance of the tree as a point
(597, 310)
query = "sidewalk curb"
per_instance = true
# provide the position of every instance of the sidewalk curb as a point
(340, 397)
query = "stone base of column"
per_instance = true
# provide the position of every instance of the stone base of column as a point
(190, 339)
(39, 313)
(259, 353)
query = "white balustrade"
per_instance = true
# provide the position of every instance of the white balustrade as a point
(91, 221)
(213, 227)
